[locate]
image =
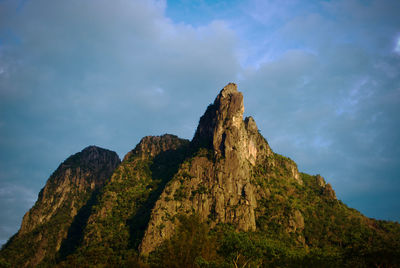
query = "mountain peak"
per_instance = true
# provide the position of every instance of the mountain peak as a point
(230, 88)
(90, 157)
(93, 148)
(223, 129)
(151, 146)
(229, 103)
(225, 113)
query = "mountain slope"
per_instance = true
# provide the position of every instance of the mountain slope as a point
(116, 225)
(45, 226)
(233, 177)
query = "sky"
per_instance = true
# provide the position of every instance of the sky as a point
(321, 79)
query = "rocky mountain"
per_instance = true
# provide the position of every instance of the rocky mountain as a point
(224, 199)
(216, 182)
(64, 199)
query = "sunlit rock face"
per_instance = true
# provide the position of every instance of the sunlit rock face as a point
(216, 182)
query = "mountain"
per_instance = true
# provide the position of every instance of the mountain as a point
(223, 199)
(217, 181)
(118, 220)
(63, 201)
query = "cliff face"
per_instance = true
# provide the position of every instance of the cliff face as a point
(69, 188)
(217, 181)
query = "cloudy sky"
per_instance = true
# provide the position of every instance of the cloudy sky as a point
(321, 79)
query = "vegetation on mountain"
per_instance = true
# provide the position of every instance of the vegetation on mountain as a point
(119, 218)
(195, 245)
(225, 199)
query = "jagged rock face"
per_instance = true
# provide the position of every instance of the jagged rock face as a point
(320, 181)
(46, 224)
(222, 129)
(216, 182)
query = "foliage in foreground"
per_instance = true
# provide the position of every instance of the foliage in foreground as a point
(195, 245)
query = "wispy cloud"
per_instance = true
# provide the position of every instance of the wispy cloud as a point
(336, 97)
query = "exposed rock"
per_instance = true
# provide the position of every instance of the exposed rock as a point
(296, 221)
(216, 182)
(320, 181)
(65, 192)
(329, 192)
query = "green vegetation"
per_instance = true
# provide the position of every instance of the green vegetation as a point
(119, 219)
(196, 245)
(298, 225)
(192, 245)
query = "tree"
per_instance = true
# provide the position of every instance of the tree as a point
(191, 246)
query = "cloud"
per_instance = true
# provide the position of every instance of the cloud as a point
(93, 61)
(329, 98)
(76, 73)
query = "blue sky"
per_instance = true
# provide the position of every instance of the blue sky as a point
(321, 79)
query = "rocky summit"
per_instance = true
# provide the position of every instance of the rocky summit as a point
(217, 182)
(223, 199)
